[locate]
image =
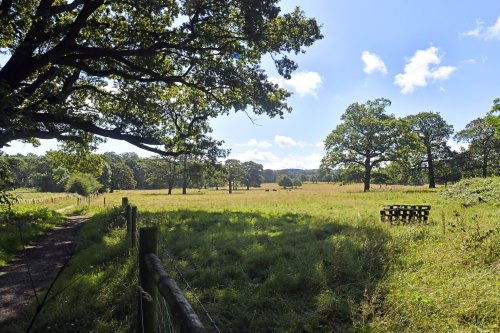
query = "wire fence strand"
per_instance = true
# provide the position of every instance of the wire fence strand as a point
(207, 314)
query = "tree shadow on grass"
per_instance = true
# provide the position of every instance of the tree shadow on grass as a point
(274, 273)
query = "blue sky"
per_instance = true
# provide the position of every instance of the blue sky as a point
(441, 56)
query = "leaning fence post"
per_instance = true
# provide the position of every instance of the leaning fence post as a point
(133, 226)
(124, 201)
(148, 243)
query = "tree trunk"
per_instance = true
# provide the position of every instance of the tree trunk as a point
(170, 185)
(368, 171)
(248, 187)
(184, 184)
(230, 186)
(430, 161)
(485, 164)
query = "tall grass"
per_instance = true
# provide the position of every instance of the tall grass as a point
(21, 225)
(314, 259)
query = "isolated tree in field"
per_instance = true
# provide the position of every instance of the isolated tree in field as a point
(235, 172)
(254, 174)
(368, 137)
(433, 132)
(285, 182)
(484, 146)
(116, 69)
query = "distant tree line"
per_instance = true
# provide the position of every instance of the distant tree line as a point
(369, 145)
(57, 172)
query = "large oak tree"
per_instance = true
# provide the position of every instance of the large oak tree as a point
(433, 132)
(148, 72)
(367, 137)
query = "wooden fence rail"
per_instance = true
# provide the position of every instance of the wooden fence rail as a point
(153, 280)
(185, 319)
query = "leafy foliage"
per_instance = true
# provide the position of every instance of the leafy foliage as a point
(148, 72)
(6, 199)
(83, 184)
(367, 137)
(473, 191)
(253, 174)
(484, 146)
(493, 117)
(285, 182)
(433, 132)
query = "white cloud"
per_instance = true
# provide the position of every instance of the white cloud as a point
(488, 33)
(474, 32)
(307, 162)
(255, 143)
(284, 141)
(320, 144)
(471, 61)
(493, 32)
(373, 63)
(271, 161)
(304, 83)
(418, 70)
(263, 157)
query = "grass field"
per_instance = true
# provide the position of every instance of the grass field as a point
(313, 259)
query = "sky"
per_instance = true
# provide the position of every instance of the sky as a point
(440, 56)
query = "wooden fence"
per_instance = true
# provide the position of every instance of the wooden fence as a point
(153, 280)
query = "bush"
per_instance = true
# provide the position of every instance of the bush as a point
(83, 184)
(285, 182)
(473, 191)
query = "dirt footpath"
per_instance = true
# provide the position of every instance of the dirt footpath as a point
(42, 259)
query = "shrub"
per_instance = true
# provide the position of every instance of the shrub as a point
(285, 182)
(473, 191)
(83, 184)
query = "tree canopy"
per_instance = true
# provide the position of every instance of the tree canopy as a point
(367, 137)
(433, 132)
(484, 146)
(148, 72)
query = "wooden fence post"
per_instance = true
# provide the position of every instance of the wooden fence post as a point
(128, 217)
(133, 226)
(104, 201)
(148, 243)
(124, 201)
